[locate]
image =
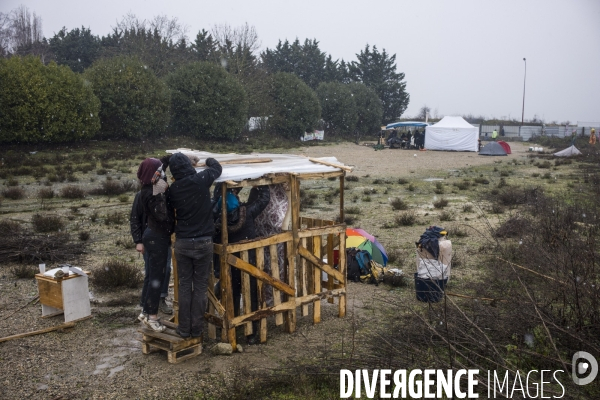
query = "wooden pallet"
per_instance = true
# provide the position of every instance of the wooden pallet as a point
(170, 342)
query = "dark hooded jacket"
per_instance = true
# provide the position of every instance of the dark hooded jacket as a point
(240, 222)
(190, 196)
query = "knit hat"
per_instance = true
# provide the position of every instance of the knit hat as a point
(147, 169)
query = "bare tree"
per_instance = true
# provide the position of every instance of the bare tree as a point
(423, 112)
(238, 47)
(27, 29)
(5, 34)
(169, 29)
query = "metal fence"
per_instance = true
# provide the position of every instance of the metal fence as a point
(526, 132)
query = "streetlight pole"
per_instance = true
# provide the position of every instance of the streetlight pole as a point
(524, 78)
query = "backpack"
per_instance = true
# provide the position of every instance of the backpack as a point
(358, 264)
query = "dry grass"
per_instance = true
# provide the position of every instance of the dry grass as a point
(47, 223)
(13, 193)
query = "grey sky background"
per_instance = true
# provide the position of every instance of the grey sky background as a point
(460, 56)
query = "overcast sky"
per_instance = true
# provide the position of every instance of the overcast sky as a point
(460, 57)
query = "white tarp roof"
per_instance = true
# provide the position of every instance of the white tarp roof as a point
(278, 163)
(452, 133)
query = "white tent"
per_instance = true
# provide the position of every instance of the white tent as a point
(568, 152)
(452, 133)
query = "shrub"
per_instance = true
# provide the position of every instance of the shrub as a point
(114, 218)
(481, 181)
(24, 271)
(399, 204)
(352, 178)
(125, 242)
(123, 198)
(411, 187)
(14, 193)
(457, 231)
(45, 193)
(84, 236)
(496, 209)
(72, 192)
(9, 228)
(407, 218)
(446, 216)
(338, 108)
(113, 188)
(296, 106)
(114, 273)
(207, 101)
(352, 210)
(47, 223)
(94, 216)
(45, 103)
(12, 182)
(441, 203)
(402, 181)
(369, 191)
(439, 188)
(134, 102)
(464, 185)
(544, 165)
(468, 208)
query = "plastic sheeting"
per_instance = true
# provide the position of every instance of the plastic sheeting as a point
(452, 133)
(430, 268)
(279, 163)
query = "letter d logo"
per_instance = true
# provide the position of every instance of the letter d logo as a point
(590, 364)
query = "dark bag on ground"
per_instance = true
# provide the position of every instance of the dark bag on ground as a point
(358, 263)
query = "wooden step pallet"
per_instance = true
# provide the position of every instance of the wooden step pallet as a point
(170, 342)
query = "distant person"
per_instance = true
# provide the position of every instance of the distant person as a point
(190, 196)
(502, 130)
(156, 239)
(593, 137)
(494, 134)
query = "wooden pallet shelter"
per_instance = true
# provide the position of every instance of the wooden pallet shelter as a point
(309, 243)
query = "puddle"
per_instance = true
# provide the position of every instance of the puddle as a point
(433, 179)
(115, 370)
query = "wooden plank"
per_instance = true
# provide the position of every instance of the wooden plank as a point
(331, 262)
(242, 319)
(174, 359)
(213, 320)
(330, 164)
(320, 264)
(212, 329)
(169, 324)
(50, 292)
(275, 273)
(38, 332)
(317, 280)
(342, 269)
(226, 291)
(342, 216)
(260, 261)
(310, 273)
(246, 295)
(214, 302)
(319, 175)
(293, 258)
(302, 282)
(335, 243)
(254, 244)
(266, 278)
(314, 231)
(319, 296)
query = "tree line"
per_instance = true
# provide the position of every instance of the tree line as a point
(146, 78)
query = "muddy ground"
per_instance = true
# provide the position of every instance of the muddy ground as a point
(101, 358)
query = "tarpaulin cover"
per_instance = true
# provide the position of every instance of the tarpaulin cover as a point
(278, 163)
(452, 133)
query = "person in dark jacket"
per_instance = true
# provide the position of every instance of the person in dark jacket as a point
(190, 196)
(138, 223)
(156, 238)
(240, 227)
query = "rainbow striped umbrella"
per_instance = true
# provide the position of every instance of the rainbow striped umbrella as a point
(365, 241)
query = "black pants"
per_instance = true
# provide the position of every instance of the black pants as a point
(156, 245)
(193, 267)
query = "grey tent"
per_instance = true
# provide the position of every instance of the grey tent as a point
(568, 152)
(492, 149)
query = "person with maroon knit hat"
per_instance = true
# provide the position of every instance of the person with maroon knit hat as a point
(156, 238)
